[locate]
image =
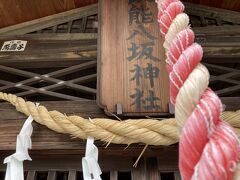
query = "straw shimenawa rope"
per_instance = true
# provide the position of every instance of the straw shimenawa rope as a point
(147, 131)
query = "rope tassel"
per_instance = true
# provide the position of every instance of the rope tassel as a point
(208, 147)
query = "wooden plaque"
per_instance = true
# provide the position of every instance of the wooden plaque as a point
(132, 79)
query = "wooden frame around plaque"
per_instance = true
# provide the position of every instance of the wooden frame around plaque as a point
(132, 78)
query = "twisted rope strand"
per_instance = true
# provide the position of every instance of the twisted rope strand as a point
(208, 148)
(147, 131)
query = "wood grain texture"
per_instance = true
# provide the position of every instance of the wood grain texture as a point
(72, 175)
(148, 169)
(52, 175)
(72, 164)
(36, 9)
(177, 175)
(232, 30)
(221, 46)
(69, 168)
(66, 50)
(31, 175)
(152, 169)
(211, 12)
(139, 173)
(113, 175)
(80, 3)
(49, 21)
(14, 11)
(44, 138)
(116, 71)
(47, 142)
(11, 122)
(225, 4)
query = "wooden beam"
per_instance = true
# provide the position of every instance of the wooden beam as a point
(52, 175)
(49, 21)
(41, 91)
(84, 24)
(45, 78)
(31, 175)
(221, 68)
(48, 141)
(113, 175)
(44, 138)
(139, 173)
(48, 51)
(177, 175)
(226, 30)
(86, 109)
(54, 87)
(213, 13)
(231, 103)
(71, 169)
(147, 169)
(72, 164)
(72, 175)
(53, 37)
(220, 60)
(152, 169)
(222, 52)
(70, 23)
(61, 72)
(221, 46)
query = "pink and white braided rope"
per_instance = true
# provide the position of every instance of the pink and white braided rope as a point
(208, 148)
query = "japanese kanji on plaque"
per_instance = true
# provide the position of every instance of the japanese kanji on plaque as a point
(132, 76)
(14, 45)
